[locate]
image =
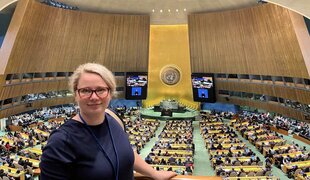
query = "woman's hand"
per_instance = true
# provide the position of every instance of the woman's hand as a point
(163, 175)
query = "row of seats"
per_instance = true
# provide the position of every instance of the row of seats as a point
(229, 156)
(174, 149)
(289, 157)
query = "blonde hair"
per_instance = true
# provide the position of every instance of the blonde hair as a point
(95, 68)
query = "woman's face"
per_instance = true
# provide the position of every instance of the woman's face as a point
(92, 94)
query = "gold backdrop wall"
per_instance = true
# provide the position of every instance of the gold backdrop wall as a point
(169, 46)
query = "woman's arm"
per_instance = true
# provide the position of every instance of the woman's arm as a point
(56, 158)
(142, 167)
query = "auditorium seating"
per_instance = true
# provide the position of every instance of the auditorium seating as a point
(288, 157)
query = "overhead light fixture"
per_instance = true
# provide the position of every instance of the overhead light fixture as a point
(177, 10)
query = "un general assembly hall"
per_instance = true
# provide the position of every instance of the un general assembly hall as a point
(155, 89)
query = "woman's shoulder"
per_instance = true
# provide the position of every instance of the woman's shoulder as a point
(66, 130)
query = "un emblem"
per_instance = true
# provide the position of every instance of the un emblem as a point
(170, 75)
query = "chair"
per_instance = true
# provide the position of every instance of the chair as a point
(253, 164)
(223, 174)
(30, 170)
(268, 173)
(260, 163)
(5, 178)
(297, 172)
(237, 163)
(251, 174)
(32, 155)
(20, 167)
(260, 173)
(233, 174)
(245, 163)
(243, 174)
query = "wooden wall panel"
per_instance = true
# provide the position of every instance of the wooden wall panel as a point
(271, 107)
(11, 34)
(299, 95)
(31, 88)
(259, 40)
(35, 105)
(302, 35)
(56, 40)
(40, 87)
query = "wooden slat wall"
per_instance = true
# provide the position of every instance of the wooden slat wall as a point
(299, 95)
(272, 107)
(30, 88)
(259, 40)
(57, 40)
(11, 34)
(35, 105)
(302, 35)
(49, 39)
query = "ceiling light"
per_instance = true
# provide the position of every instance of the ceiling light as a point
(168, 10)
(184, 9)
(153, 10)
(177, 10)
(161, 10)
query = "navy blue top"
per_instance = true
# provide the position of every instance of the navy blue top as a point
(72, 152)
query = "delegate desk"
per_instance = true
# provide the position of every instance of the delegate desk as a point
(254, 178)
(220, 135)
(214, 152)
(245, 168)
(292, 155)
(251, 137)
(299, 164)
(208, 124)
(46, 134)
(35, 151)
(165, 167)
(35, 163)
(223, 141)
(6, 139)
(250, 133)
(166, 158)
(214, 131)
(173, 152)
(300, 138)
(267, 142)
(301, 177)
(13, 172)
(181, 146)
(241, 159)
(266, 149)
(238, 125)
(227, 146)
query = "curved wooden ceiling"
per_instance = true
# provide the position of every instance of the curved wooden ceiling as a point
(301, 6)
(172, 11)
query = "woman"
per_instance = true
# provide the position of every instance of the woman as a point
(93, 145)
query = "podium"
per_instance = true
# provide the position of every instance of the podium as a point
(166, 112)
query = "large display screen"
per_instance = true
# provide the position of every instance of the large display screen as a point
(203, 87)
(136, 85)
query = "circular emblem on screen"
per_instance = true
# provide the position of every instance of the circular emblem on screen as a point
(170, 75)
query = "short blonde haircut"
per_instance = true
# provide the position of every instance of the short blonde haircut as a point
(95, 68)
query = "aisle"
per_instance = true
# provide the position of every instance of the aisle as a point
(202, 162)
(149, 145)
